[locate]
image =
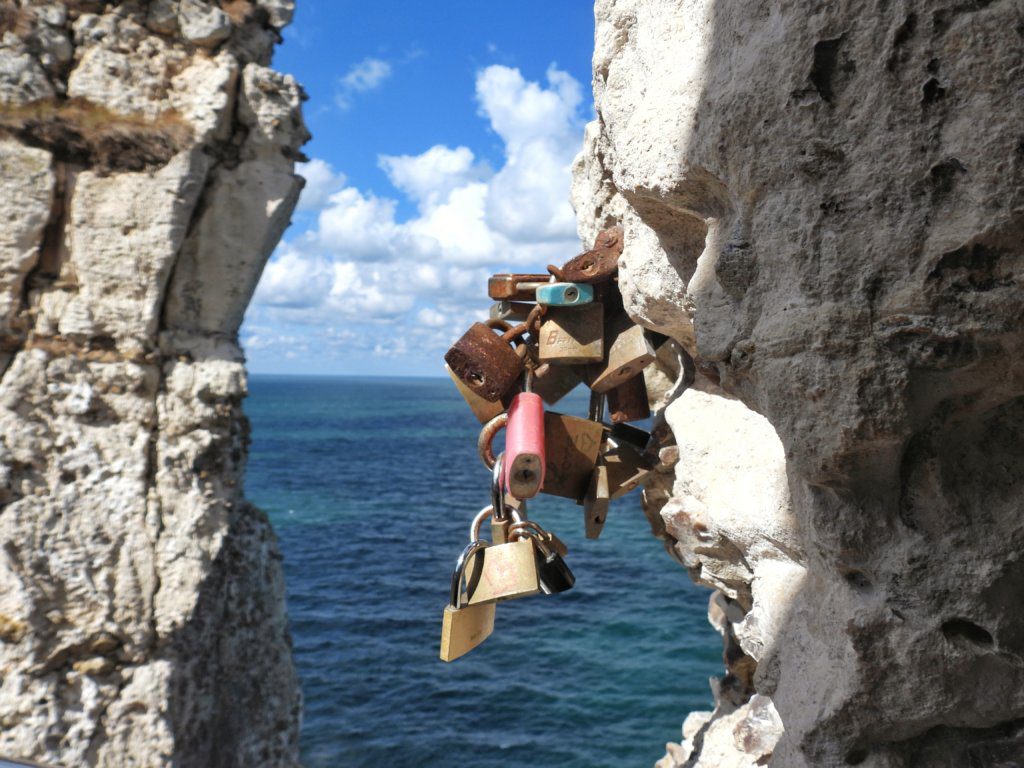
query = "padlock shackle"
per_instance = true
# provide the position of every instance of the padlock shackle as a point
(529, 529)
(487, 433)
(478, 521)
(460, 569)
(497, 491)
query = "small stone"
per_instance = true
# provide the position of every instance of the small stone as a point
(202, 24)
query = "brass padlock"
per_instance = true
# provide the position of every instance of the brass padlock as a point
(595, 503)
(628, 401)
(483, 409)
(463, 626)
(553, 381)
(572, 334)
(573, 445)
(486, 362)
(505, 571)
(555, 575)
(598, 264)
(629, 352)
(515, 287)
(625, 465)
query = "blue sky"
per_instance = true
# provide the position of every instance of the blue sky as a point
(443, 134)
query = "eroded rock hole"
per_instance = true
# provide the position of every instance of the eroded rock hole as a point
(956, 630)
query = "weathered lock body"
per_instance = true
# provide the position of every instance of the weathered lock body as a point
(627, 433)
(628, 401)
(629, 351)
(598, 264)
(483, 409)
(626, 467)
(553, 381)
(595, 503)
(463, 626)
(572, 335)
(565, 294)
(572, 445)
(524, 446)
(515, 287)
(511, 311)
(501, 571)
(485, 362)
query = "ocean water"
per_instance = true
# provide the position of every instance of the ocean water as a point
(371, 484)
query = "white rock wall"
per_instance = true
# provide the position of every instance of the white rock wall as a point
(824, 204)
(146, 173)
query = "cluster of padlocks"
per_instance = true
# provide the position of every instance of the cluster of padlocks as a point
(547, 333)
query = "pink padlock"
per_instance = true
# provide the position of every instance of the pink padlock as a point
(524, 446)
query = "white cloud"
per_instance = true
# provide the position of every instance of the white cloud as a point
(321, 183)
(354, 225)
(406, 285)
(429, 178)
(363, 76)
(294, 280)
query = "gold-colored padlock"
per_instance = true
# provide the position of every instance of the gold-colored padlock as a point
(463, 626)
(553, 381)
(505, 571)
(595, 503)
(572, 446)
(483, 409)
(629, 352)
(572, 334)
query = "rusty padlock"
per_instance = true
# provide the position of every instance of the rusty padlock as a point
(596, 502)
(524, 444)
(629, 351)
(572, 446)
(515, 287)
(486, 362)
(628, 401)
(572, 335)
(598, 264)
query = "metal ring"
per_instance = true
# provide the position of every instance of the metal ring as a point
(533, 319)
(516, 333)
(487, 433)
(556, 273)
(497, 324)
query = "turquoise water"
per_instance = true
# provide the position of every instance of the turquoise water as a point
(371, 484)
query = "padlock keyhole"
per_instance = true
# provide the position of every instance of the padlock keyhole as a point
(476, 377)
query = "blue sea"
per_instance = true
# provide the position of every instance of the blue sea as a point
(371, 484)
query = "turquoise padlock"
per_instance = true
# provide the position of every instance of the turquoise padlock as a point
(565, 294)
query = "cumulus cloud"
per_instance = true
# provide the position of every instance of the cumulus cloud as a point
(321, 183)
(366, 75)
(412, 284)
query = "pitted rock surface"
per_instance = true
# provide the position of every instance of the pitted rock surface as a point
(147, 157)
(824, 204)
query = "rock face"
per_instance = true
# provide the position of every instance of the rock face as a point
(824, 204)
(146, 172)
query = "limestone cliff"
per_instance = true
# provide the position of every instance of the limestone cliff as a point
(824, 204)
(146, 172)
